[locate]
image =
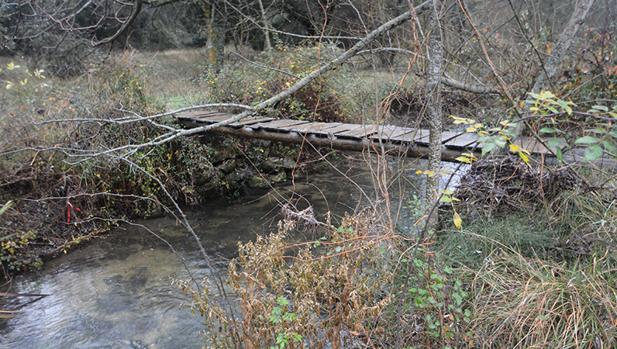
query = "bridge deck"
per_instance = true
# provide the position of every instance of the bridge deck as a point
(412, 142)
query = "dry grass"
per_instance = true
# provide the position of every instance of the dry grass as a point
(591, 219)
(532, 303)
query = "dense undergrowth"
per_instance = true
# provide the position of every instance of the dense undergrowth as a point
(63, 195)
(545, 279)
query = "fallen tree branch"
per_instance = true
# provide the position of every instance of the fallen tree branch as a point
(473, 88)
(133, 117)
(445, 79)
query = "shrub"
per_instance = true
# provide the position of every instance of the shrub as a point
(429, 308)
(330, 290)
(117, 84)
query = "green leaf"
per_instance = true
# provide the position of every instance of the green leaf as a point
(559, 154)
(282, 301)
(593, 152)
(565, 106)
(552, 109)
(500, 142)
(600, 108)
(446, 199)
(549, 130)
(555, 143)
(609, 146)
(587, 140)
(488, 147)
(599, 131)
(289, 317)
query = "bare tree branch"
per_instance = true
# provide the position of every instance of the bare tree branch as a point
(566, 38)
(127, 23)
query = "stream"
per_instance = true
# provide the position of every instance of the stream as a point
(116, 291)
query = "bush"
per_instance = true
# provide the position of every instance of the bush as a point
(330, 290)
(430, 307)
(498, 283)
(118, 84)
(249, 84)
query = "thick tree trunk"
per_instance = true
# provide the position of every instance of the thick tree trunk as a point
(266, 24)
(566, 38)
(435, 56)
(216, 40)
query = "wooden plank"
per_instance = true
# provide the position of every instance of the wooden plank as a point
(251, 120)
(361, 132)
(201, 115)
(532, 145)
(448, 135)
(387, 131)
(304, 127)
(313, 128)
(419, 136)
(276, 125)
(342, 128)
(195, 116)
(462, 141)
(214, 118)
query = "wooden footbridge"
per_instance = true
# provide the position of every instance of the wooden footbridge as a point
(396, 140)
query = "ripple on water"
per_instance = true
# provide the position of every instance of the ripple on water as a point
(113, 299)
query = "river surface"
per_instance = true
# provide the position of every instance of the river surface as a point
(117, 291)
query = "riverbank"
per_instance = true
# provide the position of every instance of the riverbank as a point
(122, 289)
(63, 218)
(58, 196)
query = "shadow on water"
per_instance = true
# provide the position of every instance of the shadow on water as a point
(117, 292)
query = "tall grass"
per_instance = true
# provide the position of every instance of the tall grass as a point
(532, 303)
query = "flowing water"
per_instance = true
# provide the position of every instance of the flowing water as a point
(117, 291)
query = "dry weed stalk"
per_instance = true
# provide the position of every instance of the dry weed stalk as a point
(327, 293)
